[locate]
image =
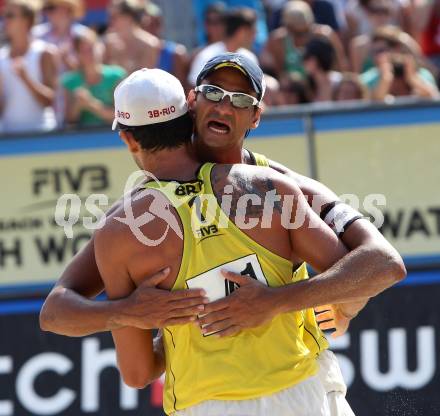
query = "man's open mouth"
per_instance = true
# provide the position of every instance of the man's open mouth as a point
(218, 127)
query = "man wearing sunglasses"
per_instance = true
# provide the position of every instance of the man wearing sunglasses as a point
(221, 128)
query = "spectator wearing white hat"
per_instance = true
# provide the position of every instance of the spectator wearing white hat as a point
(27, 71)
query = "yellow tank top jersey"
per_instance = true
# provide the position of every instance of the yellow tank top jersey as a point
(313, 336)
(254, 363)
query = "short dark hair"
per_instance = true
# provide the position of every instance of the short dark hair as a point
(237, 18)
(322, 50)
(161, 136)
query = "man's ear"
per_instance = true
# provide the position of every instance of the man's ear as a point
(256, 118)
(191, 100)
(129, 140)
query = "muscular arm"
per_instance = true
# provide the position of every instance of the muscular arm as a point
(134, 347)
(69, 309)
(371, 266)
(372, 260)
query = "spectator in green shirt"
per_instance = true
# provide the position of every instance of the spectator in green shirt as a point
(89, 90)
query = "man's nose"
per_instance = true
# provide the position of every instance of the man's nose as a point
(225, 105)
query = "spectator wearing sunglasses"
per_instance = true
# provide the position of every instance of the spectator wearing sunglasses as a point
(60, 29)
(28, 70)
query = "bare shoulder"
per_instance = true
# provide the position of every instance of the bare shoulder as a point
(309, 187)
(248, 179)
(136, 219)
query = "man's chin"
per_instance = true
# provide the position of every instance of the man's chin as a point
(212, 139)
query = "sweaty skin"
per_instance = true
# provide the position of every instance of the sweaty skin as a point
(372, 262)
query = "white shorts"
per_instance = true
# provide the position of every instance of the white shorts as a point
(334, 385)
(307, 398)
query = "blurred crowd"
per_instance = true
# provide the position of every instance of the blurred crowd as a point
(56, 72)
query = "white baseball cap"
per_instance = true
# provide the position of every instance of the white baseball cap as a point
(148, 96)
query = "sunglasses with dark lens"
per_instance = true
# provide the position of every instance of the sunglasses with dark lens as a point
(216, 94)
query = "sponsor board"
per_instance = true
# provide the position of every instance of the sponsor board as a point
(397, 160)
(390, 361)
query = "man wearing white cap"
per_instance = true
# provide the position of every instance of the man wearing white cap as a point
(268, 368)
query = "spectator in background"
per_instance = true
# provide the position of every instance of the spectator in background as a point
(28, 72)
(428, 20)
(261, 33)
(59, 30)
(240, 35)
(152, 20)
(214, 22)
(397, 71)
(178, 21)
(214, 25)
(126, 43)
(273, 95)
(319, 58)
(295, 90)
(350, 88)
(283, 51)
(326, 12)
(89, 90)
(365, 16)
(61, 27)
(378, 15)
(130, 46)
(173, 57)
